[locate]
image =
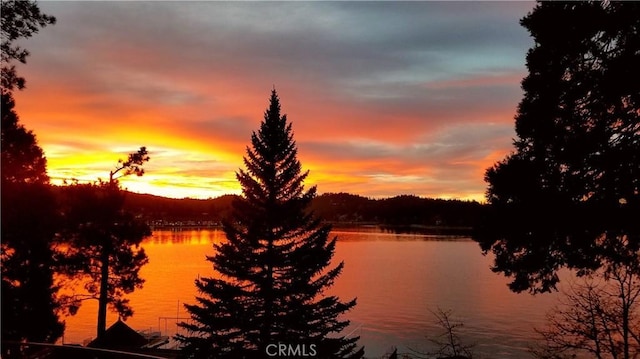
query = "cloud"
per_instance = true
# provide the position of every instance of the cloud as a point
(414, 97)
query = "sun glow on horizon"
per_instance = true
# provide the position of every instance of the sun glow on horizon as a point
(201, 173)
(373, 113)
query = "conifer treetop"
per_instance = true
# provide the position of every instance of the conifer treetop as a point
(274, 267)
(273, 171)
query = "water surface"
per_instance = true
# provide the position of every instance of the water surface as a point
(399, 280)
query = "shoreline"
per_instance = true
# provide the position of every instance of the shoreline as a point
(393, 228)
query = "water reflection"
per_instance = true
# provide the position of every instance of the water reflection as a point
(355, 235)
(373, 233)
(186, 236)
(398, 279)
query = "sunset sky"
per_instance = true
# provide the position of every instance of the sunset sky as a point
(386, 98)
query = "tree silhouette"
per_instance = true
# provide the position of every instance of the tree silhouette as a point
(273, 269)
(570, 193)
(598, 317)
(102, 240)
(29, 296)
(29, 305)
(448, 342)
(20, 19)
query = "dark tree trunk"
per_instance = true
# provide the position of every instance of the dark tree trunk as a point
(104, 291)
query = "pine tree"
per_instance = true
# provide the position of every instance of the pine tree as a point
(30, 307)
(102, 240)
(274, 267)
(29, 297)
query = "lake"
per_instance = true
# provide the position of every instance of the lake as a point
(399, 280)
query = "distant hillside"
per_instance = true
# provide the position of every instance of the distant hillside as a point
(333, 207)
(153, 207)
(402, 210)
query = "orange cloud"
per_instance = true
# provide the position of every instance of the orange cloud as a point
(387, 111)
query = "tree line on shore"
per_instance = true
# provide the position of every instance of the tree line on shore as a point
(347, 208)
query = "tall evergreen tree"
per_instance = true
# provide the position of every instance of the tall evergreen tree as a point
(30, 309)
(29, 305)
(569, 196)
(274, 268)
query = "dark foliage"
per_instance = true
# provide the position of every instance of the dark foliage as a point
(22, 159)
(273, 268)
(132, 165)
(20, 19)
(28, 227)
(101, 241)
(29, 296)
(406, 210)
(29, 305)
(570, 193)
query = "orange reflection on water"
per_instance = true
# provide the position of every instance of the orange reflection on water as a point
(398, 280)
(176, 259)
